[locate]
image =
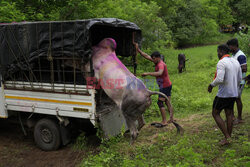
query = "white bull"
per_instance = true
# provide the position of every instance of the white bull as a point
(127, 91)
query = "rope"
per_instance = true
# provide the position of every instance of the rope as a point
(15, 57)
(39, 61)
(50, 58)
(27, 53)
(21, 123)
(62, 56)
(23, 55)
(74, 63)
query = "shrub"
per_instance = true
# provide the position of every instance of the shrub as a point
(244, 42)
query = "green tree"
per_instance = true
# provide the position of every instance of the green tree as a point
(184, 20)
(10, 13)
(219, 10)
(243, 11)
(244, 42)
(224, 15)
(73, 10)
(240, 10)
(154, 29)
(162, 22)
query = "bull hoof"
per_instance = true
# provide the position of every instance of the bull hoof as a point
(133, 137)
(132, 141)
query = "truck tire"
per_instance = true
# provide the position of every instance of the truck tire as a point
(47, 134)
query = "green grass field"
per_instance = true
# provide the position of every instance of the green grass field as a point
(192, 108)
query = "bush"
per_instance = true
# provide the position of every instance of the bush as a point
(244, 42)
(9, 12)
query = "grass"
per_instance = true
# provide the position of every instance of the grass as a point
(192, 107)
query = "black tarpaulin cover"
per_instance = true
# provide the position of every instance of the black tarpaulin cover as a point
(23, 43)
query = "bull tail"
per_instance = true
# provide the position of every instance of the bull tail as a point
(180, 130)
(159, 93)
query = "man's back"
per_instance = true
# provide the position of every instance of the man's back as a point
(228, 77)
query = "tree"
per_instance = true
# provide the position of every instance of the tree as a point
(10, 13)
(154, 29)
(243, 11)
(184, 20)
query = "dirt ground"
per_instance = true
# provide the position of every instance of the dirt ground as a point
(17, 150)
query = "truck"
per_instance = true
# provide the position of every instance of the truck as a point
(44, 82)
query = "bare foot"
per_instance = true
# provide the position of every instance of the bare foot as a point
(224, 142)
(170, 120)
(164, 123)
(237, 121)
(240, 120)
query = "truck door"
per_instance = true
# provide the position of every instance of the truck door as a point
(3, 112)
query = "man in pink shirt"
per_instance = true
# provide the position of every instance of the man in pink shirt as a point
(165, 85)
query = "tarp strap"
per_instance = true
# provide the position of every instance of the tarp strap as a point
(14, 55)
(39, 60)
(25, 58)
(74, 63)
(50, 57)
(63, 55)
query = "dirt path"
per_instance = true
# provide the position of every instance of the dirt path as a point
(20, 151)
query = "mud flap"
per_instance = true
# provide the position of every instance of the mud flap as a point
(112, 122)
(65, 134)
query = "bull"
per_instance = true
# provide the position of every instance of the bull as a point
(126, 90)
(182, 62)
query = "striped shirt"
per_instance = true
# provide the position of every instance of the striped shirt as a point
(242, 59)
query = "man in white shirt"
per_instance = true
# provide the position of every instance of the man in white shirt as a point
(238, 55)
(228, 77)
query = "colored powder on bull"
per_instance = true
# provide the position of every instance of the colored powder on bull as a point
(132, 82)
(121, 65)
(113, 41)
(112, 63)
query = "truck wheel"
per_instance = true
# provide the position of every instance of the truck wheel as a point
(47, 135)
